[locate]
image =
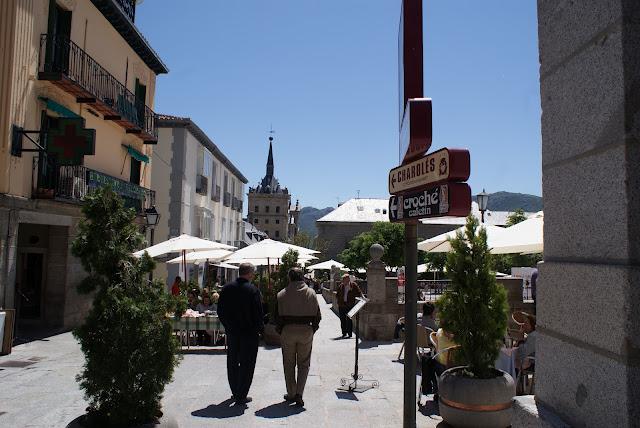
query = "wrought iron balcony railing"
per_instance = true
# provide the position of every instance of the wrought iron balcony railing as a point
(73, 182)
(227, 199)
(71, 68)
(215, 195)
(128, 7)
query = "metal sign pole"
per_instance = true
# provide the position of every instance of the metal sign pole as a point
(410, 321)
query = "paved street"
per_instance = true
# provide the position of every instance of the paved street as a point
(42, 391)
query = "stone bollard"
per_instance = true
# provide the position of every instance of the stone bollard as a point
(378, 318)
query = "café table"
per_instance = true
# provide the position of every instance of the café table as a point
(207, 322)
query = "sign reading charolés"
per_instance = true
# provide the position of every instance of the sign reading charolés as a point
(437, 167)
(449, 199)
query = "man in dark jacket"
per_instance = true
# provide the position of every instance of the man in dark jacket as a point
(346, 294)
(240, 311)
(297, 319)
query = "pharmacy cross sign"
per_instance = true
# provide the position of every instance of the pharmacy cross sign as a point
(70, 141)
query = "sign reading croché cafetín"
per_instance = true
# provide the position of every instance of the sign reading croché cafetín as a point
(448, 199)
(437, 167)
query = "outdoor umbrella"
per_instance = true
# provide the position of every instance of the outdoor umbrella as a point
(326, 265)
(182, 244)
(201, 256)
(440, 243)
(268, 251)
(523, 237)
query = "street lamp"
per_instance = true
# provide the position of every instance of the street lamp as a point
(152, 216)
(483, 200)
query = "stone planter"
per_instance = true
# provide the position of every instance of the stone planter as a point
(271, 336)
(469, 402)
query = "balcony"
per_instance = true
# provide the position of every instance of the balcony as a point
(215, 196)
(65, 64)
(71, 183)
(227, 199)
(201, 184)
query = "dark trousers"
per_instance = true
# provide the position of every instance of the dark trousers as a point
(346, 324)
(431, 370)
(242, 352)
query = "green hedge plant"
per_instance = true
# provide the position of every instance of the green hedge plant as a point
(474, 307)
(127, 340)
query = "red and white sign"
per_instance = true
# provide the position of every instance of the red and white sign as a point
(442, 165)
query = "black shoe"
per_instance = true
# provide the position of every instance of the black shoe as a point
(299, 401)
(289, 398)
(244, 400)
(350, 335)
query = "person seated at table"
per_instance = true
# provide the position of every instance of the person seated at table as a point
(175, 288)
(527, 347)
(206, 305)
(426, 319)
(204, 336)
(214, 300)
(192, 301)
(433, 367)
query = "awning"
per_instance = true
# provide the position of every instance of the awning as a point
(58, 108)
(136, 154)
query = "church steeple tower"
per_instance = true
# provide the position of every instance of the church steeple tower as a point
(270, 160)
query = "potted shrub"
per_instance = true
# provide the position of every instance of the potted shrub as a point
(127, 338)
(474, 309)
(281, 280)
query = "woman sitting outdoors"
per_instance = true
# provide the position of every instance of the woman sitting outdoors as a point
(527, 347)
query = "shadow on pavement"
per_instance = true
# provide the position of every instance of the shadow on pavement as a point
(223, 410)
(279, 410)
(204, 351)
(345, 395)
(430, 408)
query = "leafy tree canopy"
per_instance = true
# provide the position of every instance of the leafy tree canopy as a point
(389, 235)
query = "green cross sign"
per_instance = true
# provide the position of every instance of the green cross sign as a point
(70, 141)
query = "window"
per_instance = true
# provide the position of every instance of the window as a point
(256, 221)
(278, 209)
(277, 221)
(266, 209)
(134, 177)
(256, 209)
(233, 187)
(207, 164)
(277, 233)
(266, 221)
(214, 174)
(226, 182)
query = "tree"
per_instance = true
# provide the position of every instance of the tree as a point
(474, 307)
(389, 235)
(127, 340)
(516, 217)
(302, 239)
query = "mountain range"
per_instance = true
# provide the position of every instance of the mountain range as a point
(499, 201)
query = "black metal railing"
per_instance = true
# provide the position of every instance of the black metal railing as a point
(73, 182)
(202, 184)
(431, 290)
(227, 199)
(128, 7)
(215, 195)
(59, 55)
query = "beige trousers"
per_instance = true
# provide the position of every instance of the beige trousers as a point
(296, 341)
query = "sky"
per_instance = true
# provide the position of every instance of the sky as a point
(324, 75)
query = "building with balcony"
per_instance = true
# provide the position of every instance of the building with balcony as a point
(270, 208)
(77, 84)
(199, 191)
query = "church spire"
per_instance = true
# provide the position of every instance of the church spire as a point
(270, 159)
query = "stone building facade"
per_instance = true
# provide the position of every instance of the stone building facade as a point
(269, 205)
(80, 75)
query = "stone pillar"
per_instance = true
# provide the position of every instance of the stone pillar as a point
(378, 318)
(376, 284)
(588, 348)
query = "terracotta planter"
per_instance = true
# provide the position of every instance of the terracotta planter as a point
(271, 336)
(469, 402)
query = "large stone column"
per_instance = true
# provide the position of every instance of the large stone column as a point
(588, 350)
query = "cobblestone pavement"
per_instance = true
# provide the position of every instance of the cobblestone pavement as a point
(38, 388)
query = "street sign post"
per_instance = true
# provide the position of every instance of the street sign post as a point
(416, 129)
(448, 199)
(443, 165)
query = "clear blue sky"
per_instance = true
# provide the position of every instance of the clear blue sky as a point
(324, 73)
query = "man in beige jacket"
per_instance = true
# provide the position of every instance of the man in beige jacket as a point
(297, 319)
